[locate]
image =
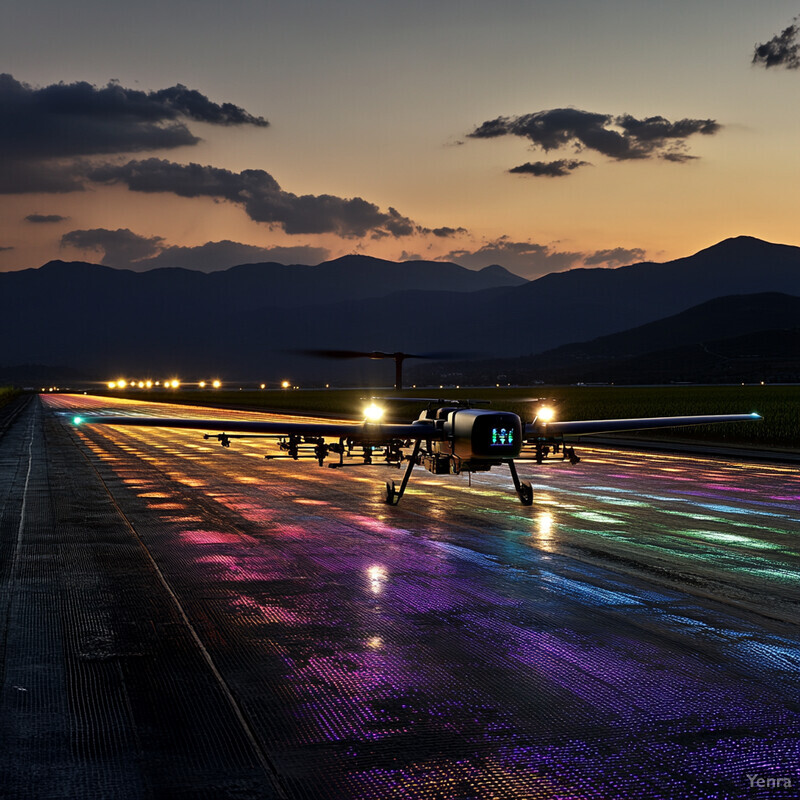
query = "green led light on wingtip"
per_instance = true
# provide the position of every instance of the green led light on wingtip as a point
(77, 420)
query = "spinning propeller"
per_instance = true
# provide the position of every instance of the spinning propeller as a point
(398, 357)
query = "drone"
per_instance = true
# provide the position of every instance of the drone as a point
(450, 437)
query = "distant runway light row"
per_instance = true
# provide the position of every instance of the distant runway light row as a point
(172, 383)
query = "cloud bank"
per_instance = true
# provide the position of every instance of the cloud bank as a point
(42, 128)
(261, 197)
(622, 138)
(616, 257)
(782, 50)
(123, 248)
(531, 260)
(52, 138)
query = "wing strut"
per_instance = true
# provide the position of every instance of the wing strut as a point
(393, 494)
(524, 489)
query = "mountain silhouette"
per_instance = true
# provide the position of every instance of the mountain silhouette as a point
(735, 338)
(238, 323)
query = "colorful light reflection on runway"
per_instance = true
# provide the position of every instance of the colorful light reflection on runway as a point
(627, 636)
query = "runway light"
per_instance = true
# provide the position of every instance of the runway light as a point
(217, 384)
(141, 384)
(122, 383)
(149, 384)
(285, 384)
(112, 384)
(545, 414)
(175, 384)
(263, 385)
(373, 413)
(202, 384)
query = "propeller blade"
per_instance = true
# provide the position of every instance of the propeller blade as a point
(340, 353)
(443, 355)
(440, 355)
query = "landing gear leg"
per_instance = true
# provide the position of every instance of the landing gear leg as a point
(393, 494)
(524, 489)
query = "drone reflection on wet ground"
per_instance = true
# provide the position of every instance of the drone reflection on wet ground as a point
(629, 635)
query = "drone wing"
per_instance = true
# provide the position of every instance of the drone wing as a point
(352, 431)
(583, 427)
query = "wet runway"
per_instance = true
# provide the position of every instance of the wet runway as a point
(184, 620)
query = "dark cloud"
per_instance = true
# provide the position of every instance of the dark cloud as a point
(42, 127)
(782, 50)
(534, 260)
(120, 248)
(523, 258)
(261, 196)
(45, 218)
(124, 249)
(446, 232)
(191, 103)
(213, 256)
(549, 169)
(615, 257)
(21, 175)
(622, 138)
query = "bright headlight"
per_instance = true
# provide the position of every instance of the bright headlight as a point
(545, 414)
(373, 413)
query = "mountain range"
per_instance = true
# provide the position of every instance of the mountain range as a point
(244, 323)
(751, 337)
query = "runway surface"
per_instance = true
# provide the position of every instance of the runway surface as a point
(182, 620)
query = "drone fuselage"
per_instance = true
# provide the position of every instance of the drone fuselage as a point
(474, 440)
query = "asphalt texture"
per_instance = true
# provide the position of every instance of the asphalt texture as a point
(182, 620)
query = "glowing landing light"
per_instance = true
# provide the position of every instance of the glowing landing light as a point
(373, 413)
(545, 414)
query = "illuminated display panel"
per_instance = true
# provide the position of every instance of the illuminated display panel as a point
(496, 434)
(502, 436)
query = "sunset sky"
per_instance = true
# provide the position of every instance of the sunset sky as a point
(537, 135)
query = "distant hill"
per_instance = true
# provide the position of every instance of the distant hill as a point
(740, 337)
(240, 322)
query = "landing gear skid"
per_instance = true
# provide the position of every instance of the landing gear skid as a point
(393, 493)
(524, 489)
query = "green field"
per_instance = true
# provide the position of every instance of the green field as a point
(779, 405)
